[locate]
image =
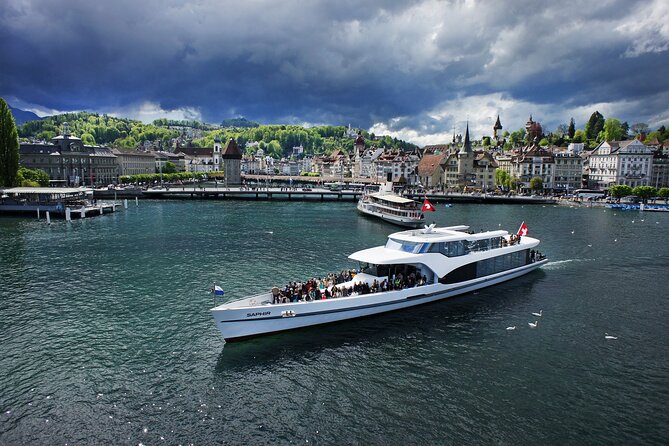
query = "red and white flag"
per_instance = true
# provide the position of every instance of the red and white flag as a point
(427, 206)
(522, 231)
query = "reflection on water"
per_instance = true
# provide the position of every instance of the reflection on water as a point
(107, 338)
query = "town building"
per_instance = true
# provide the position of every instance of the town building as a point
(568, 171)
(620, 162)
(134, 163)
(431, 170)
(69, 162)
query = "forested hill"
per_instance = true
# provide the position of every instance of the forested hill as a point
(276, 140)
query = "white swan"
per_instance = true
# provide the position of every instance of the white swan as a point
(608, 336)
(513, 327)
(533, 325)
(539, 314)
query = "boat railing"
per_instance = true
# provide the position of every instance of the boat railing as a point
(249, 301)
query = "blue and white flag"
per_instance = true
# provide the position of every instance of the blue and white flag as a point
(218, 291)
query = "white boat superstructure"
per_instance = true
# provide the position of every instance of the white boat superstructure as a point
(387, 205)
(414, 267)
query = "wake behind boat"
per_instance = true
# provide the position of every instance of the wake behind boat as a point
(387, 205)
(414, 267)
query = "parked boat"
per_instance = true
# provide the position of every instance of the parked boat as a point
(388, 206)
(414, 267)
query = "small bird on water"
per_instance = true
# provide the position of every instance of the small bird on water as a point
(533, 325)
(513, 327)
(539, 314)
(608, 336)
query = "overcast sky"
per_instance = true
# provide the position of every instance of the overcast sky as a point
(412, 69)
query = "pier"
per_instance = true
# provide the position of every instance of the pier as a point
(45, 202)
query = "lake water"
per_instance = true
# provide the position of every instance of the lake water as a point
(107, 338)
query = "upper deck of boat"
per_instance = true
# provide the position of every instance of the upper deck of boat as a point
(450, 233)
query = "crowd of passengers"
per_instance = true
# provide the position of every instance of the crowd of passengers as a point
(332, 286)
(536, 256)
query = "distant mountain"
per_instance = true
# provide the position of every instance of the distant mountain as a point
(239, 122)
(22, 116)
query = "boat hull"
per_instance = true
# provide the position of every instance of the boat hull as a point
(244, 322)
(406, 222)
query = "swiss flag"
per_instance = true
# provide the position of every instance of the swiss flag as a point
(427, 206)
(522, 231)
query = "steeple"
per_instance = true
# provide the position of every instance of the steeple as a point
(467, 146)
(498, 125)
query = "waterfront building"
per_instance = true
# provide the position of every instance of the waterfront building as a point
(660, 171)
(568, 171)
(431, 169)
(534, 161)
(69, 162)
(620, 162)
(401, 165)
(289, 167)
(180, 160)
(201, 159)
(134, 162)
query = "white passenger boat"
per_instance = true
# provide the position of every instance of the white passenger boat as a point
(417, 267)
(387, 205)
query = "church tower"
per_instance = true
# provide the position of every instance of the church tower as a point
(465, 160)
(496, 130)
(217, 154)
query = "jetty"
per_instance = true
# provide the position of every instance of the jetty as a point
(64, 202)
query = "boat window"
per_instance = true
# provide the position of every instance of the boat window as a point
(411, 247)
(487, 267)
(454, 249)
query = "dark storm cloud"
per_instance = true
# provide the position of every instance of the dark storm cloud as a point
(394, 62)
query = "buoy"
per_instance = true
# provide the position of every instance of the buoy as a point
(136, 201)
(125, 203)
(68, 216)
(48, 218)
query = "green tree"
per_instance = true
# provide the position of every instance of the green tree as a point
(32, 177)
(613, 130)
(579, 136)
(644, 192)
(572, 129)
(517, 138)
(536, 183)
(88, 139)
(502, 178)
(169, 167)
(594, 125)
(620, 190)
(9, 147)
(663, 193)
(544, 142)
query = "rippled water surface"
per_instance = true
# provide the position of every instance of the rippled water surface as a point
(107, 339)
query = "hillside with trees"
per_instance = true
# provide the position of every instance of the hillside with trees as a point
(276, 140)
